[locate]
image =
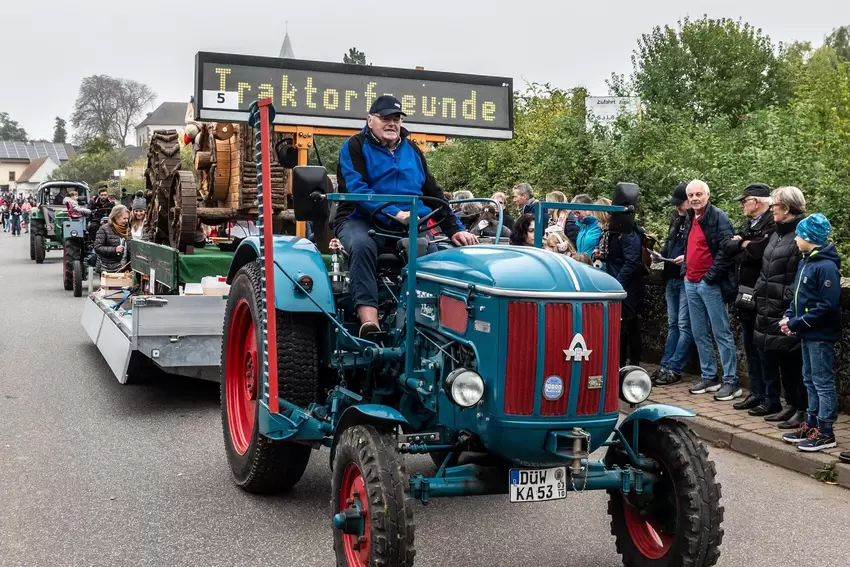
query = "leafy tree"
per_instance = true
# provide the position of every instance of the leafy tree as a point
(354, 57)
(711, 68)
(10, 131)
(839, 40)
(95, 163)
(108, 107)
(59, 132)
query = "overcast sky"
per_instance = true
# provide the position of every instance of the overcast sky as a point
(50, 45)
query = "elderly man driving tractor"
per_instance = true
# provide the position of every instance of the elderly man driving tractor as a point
(381, 160)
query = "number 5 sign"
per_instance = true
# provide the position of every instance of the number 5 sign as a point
(227, 100)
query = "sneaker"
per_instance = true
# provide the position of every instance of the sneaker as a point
(704, 386)
(657, 374)
(668, 378)
(817, 440)
(798, 436)
(728, 392)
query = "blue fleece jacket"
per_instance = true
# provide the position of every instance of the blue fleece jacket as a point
(589, 233)
(815, 311)
(367, 168)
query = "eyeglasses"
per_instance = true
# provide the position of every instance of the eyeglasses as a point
(390, 118)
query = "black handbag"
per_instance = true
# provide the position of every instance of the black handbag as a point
(746, 298)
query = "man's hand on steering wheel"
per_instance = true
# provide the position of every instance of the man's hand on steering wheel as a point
(402, 216)
(464, 239)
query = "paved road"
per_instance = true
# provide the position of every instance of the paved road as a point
(96, 474)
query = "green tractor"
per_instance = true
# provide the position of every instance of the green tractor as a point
(48, 216)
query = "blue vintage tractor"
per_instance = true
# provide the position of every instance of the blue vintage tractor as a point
(507, 354)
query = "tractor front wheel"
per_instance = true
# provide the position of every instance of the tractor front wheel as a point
(78, 278)
(32, 246)
(38, 243)
(260, 464)
(371, 504)
(677, 524)
(67, 270)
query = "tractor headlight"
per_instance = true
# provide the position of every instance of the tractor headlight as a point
(465, 387)
(635, 384)
(73, 233)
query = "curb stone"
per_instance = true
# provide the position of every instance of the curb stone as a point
(763, 448)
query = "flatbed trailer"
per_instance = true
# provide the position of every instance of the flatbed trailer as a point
(180, 334)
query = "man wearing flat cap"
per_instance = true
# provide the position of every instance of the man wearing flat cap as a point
(380, 160)
(746, 248)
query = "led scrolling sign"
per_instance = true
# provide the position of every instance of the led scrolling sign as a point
(337, 95)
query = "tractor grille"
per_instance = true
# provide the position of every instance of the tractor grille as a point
(524, 376)
(521, 368)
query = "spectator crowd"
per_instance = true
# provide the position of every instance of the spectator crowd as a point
(777, 272)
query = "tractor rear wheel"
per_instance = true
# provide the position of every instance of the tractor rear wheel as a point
(78, 278)
(38, 243)
(678, 523)
(67, 270)
(371, 493)
(260, 464)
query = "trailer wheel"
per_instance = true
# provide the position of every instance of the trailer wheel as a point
(38, 242)
(67, 270)
(78, 278)
(260, 464)
(371, 504)
(678, 523)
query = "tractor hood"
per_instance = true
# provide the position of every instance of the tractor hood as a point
(518, 271)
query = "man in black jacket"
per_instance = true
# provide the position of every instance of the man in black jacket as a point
(709, 287)
(524, 199)
(747, 249)
(680, 339)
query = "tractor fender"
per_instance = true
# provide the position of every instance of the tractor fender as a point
(654, 412)
(371, 414)
(299, 257)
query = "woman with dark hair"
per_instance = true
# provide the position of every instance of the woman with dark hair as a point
(523, 233)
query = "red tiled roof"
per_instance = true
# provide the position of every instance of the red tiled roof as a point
(31, 169)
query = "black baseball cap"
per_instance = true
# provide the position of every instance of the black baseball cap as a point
(386, 105)
(680, 195)
(754, 190)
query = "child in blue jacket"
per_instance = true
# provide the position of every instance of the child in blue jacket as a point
(815, 315)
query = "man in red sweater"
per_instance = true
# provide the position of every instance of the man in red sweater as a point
(709, 287)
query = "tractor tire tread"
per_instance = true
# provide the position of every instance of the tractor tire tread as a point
(275, 466)
(698, 498)
(39, 249)
(78, 278)
(387, 482)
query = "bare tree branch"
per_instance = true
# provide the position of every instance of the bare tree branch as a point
(107, 108)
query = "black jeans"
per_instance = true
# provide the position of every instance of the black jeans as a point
(787, 366)
(758, 385)
(630, 339)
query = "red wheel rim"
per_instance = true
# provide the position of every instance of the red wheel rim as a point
(241, 372)
(353, 490)
(647, 538)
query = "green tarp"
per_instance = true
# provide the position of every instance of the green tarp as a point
(207, 261)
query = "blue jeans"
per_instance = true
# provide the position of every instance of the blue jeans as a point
(819, 379)
(679, 335)
(709, 317)
(765, 390)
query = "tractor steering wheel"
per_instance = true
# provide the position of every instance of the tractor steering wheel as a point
(440, 210)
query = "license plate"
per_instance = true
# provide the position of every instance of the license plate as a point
(538, 485)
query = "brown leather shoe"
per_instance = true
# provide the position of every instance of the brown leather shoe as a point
(368, 328)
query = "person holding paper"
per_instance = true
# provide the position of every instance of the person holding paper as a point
(680, 339)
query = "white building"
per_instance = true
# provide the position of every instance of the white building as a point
(36, 173)
(167, 116)
(16, 158)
